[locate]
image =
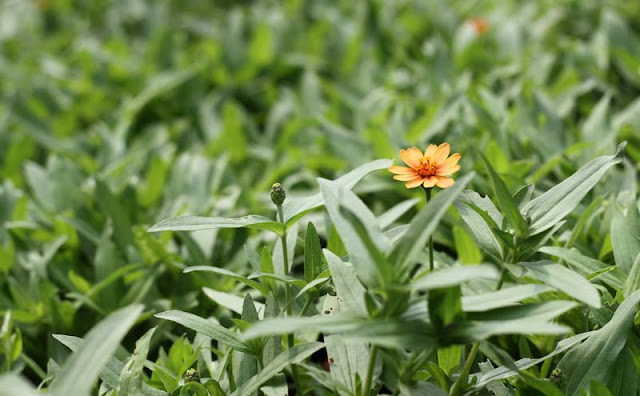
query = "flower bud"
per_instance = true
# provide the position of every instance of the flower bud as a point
(557, 377)
(191, 375)
(277, 194)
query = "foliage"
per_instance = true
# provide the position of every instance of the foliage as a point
(139, 140)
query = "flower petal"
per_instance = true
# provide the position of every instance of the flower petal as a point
(447, 170)
(405, 177)
(444, 182)
(430, 151)
(414, 183)
(453, 160)
(411, 156)
(401, 170)
(441, 153)
(430, 182)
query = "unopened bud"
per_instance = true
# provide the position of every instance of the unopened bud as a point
(191, 375)
(557, 377)
(277, 194)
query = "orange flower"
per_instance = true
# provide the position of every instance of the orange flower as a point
(432, 168)
(480, 25)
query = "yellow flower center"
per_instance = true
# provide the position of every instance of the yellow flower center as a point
(427, 167)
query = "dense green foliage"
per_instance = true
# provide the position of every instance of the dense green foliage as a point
(177, 116)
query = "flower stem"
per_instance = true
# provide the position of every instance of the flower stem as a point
(474, 350)
(427, 192)
(287, 297)
(457, 387)
(366, 385)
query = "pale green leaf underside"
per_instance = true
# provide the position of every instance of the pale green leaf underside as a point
(552, 206)
(206, 327)
(84, 366)
(196, 223)
(293, 355)
(594, 358)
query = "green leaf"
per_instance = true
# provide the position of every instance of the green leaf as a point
(112, 369)
(470, 205)
(393, 214)
(552, 206)
(276, 386)
(249, 282)
(312, 254)
(625, 232)
(294, 209)
(449, 358)
(525, 363)
(359, 231)
(195, 223)
(595, 358)
(561, 278)
(293, 355)
(468, 252)
(12, 384)
(347, 285)
(193, 389)
(231, 301)
(111, 207)
(501, 298)
(131, 375)
(506, 202)
(454, 276)
(347, 360)
(587, 265)
(206, 327)
(412, 243)
(83, 368)
(633, 280)
(480, 330)
(445, 307)
(277, 326)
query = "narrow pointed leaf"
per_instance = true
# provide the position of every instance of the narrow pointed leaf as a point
(594, 359)
(561, 278)
(501, 298)
(249, 282)
(294, 209)
(195, 223)
(206, 327)
(413, 241)
(625, 232)
(505, 201)
(131, 375)
(312, 254)
(454, 276)
(293, 355)
(83, 368)
(587, 265)
(552, 206)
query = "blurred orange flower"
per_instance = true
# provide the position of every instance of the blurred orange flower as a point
(480, 25)
(433, 168)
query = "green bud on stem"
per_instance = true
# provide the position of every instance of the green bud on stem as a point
(277, 194)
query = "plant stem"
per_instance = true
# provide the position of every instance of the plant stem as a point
(366, 385)
(306, 306)
(503, 274)
(457, 387)
(287, 298)
(427, 192)
(474, 349)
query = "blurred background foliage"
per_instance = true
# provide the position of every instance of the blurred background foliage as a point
(116, 114)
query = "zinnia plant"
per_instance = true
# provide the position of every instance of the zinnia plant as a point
(431, 169)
